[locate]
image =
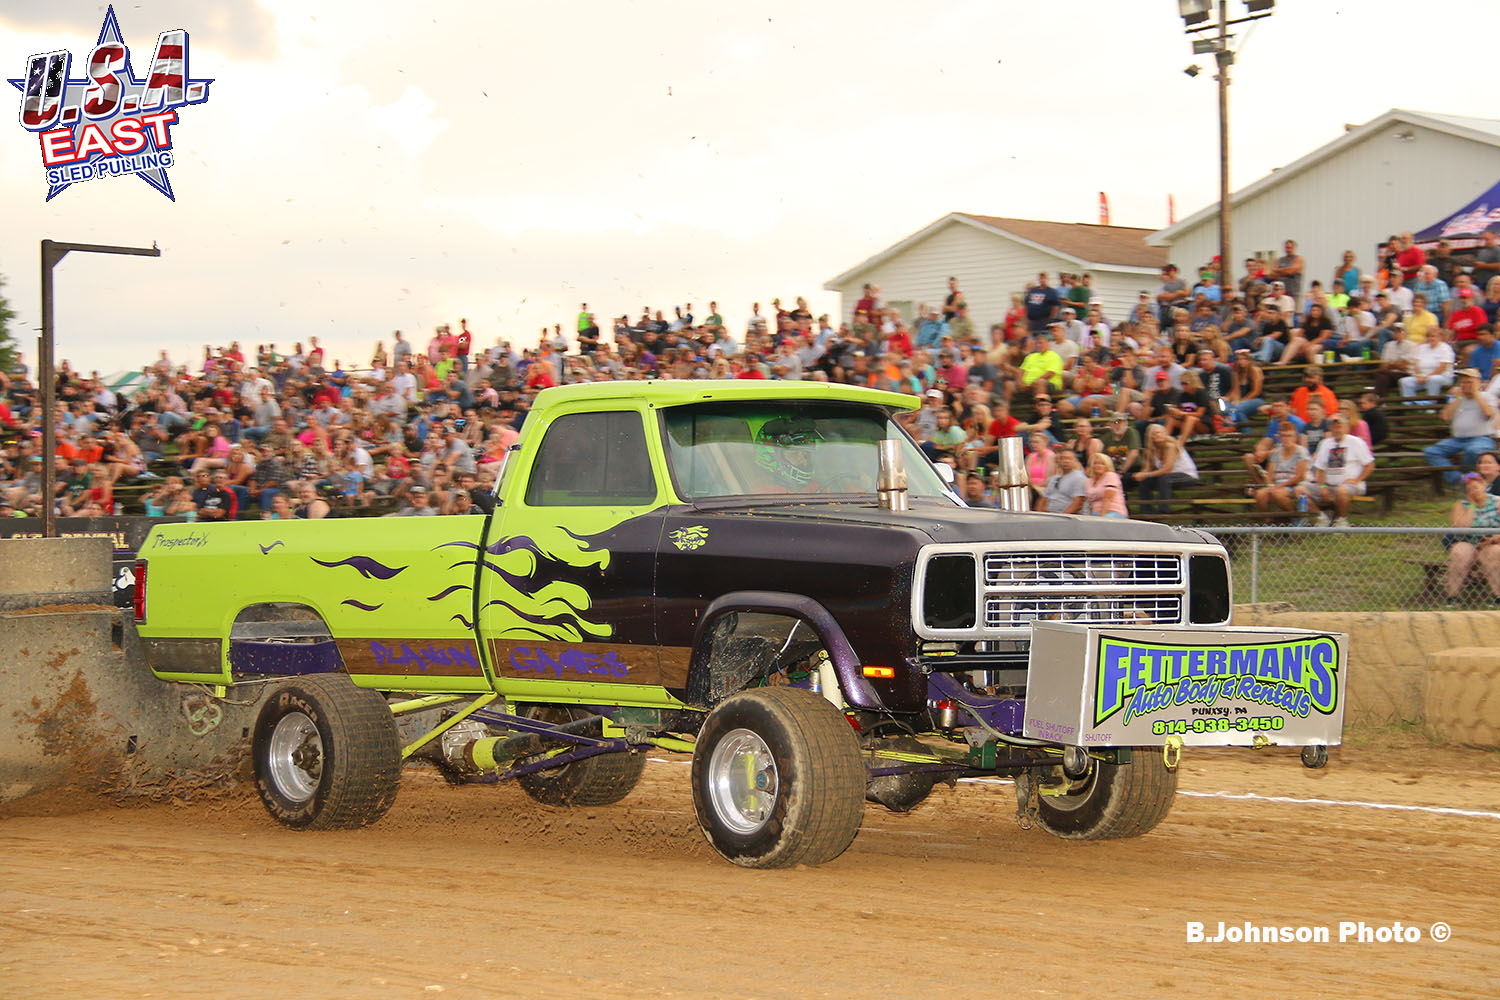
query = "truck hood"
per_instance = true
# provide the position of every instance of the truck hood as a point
(951, 524)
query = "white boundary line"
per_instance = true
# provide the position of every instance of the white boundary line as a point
(1439, 810)
(1252, 797)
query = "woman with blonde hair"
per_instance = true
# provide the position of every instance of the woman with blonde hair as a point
(1040, 461)
(1357, 425)
(1492, 300)
(1106, 494)
(1167, 464)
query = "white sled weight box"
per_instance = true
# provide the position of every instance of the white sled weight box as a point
(1102, 685)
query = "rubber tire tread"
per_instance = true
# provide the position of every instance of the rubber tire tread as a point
(821, 768)
(361, 753)
(1462, 700)
(1129, 800)
(601, 780)
(594, 781)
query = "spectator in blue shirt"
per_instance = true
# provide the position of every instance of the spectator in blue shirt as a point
(1485, 354)
(1434, 288)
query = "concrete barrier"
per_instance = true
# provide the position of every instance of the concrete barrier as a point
(78, 706)
(1388, 652)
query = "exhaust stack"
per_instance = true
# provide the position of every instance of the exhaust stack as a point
(890, 482)
(1013, 490)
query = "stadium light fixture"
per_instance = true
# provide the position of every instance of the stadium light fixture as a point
(1194, 11)
(1195, 19)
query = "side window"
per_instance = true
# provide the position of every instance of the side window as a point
(593, 460)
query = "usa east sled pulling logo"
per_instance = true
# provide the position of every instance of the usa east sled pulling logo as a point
(109, 122)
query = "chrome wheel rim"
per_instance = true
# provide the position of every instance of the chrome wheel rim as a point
(295, 757)
(1080, 791)
(743, 782)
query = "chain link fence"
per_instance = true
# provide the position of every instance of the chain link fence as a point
(1363, 569)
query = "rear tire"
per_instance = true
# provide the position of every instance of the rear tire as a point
(327, 754)
(601, 780)
(778, 779)
(1113, 801)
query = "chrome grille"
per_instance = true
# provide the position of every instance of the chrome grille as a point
(1085, 609)
(1035, 570)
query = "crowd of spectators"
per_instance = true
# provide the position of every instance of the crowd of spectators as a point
(1114, 402)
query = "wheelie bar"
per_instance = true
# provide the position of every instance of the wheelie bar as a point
(489, 753)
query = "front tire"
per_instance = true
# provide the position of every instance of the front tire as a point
(327, 754)
(778, 779)
(1112, 801)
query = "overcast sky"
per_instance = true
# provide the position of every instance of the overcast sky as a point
(366, 167)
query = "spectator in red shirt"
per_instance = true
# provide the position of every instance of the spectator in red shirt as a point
(1002, 424)
(464, 344)
(900, 341)
(1465, 320)
(950, 370)
(540, 375)
(1410, 258)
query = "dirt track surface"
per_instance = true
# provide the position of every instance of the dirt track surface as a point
(479, 892)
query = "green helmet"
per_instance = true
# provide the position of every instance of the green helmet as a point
(783, 448)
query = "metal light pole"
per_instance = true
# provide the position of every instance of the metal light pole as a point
(1195, 17)
(52, 252)
(1225, 58)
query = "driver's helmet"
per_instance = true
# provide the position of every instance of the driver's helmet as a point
(783, 448)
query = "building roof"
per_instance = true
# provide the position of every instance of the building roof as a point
(1086, 245)
(1485, 130)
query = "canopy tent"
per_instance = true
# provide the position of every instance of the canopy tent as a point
(126, 383)
(1462, 229)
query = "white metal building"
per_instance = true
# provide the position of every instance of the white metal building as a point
(995, 258)
(1397, 173)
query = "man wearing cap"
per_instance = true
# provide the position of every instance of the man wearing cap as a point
(1284, 303)
(922, 423)
(1471, 420)
(1400, 292)
(1074, 329)
(1122, 443)
(1466, 318)
(1341, 465)
(419, 505)
(955, 374)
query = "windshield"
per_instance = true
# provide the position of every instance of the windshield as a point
(786, 447)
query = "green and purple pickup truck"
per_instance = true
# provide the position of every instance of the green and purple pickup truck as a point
(767, 575)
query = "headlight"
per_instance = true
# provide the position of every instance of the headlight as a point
(948, 596)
